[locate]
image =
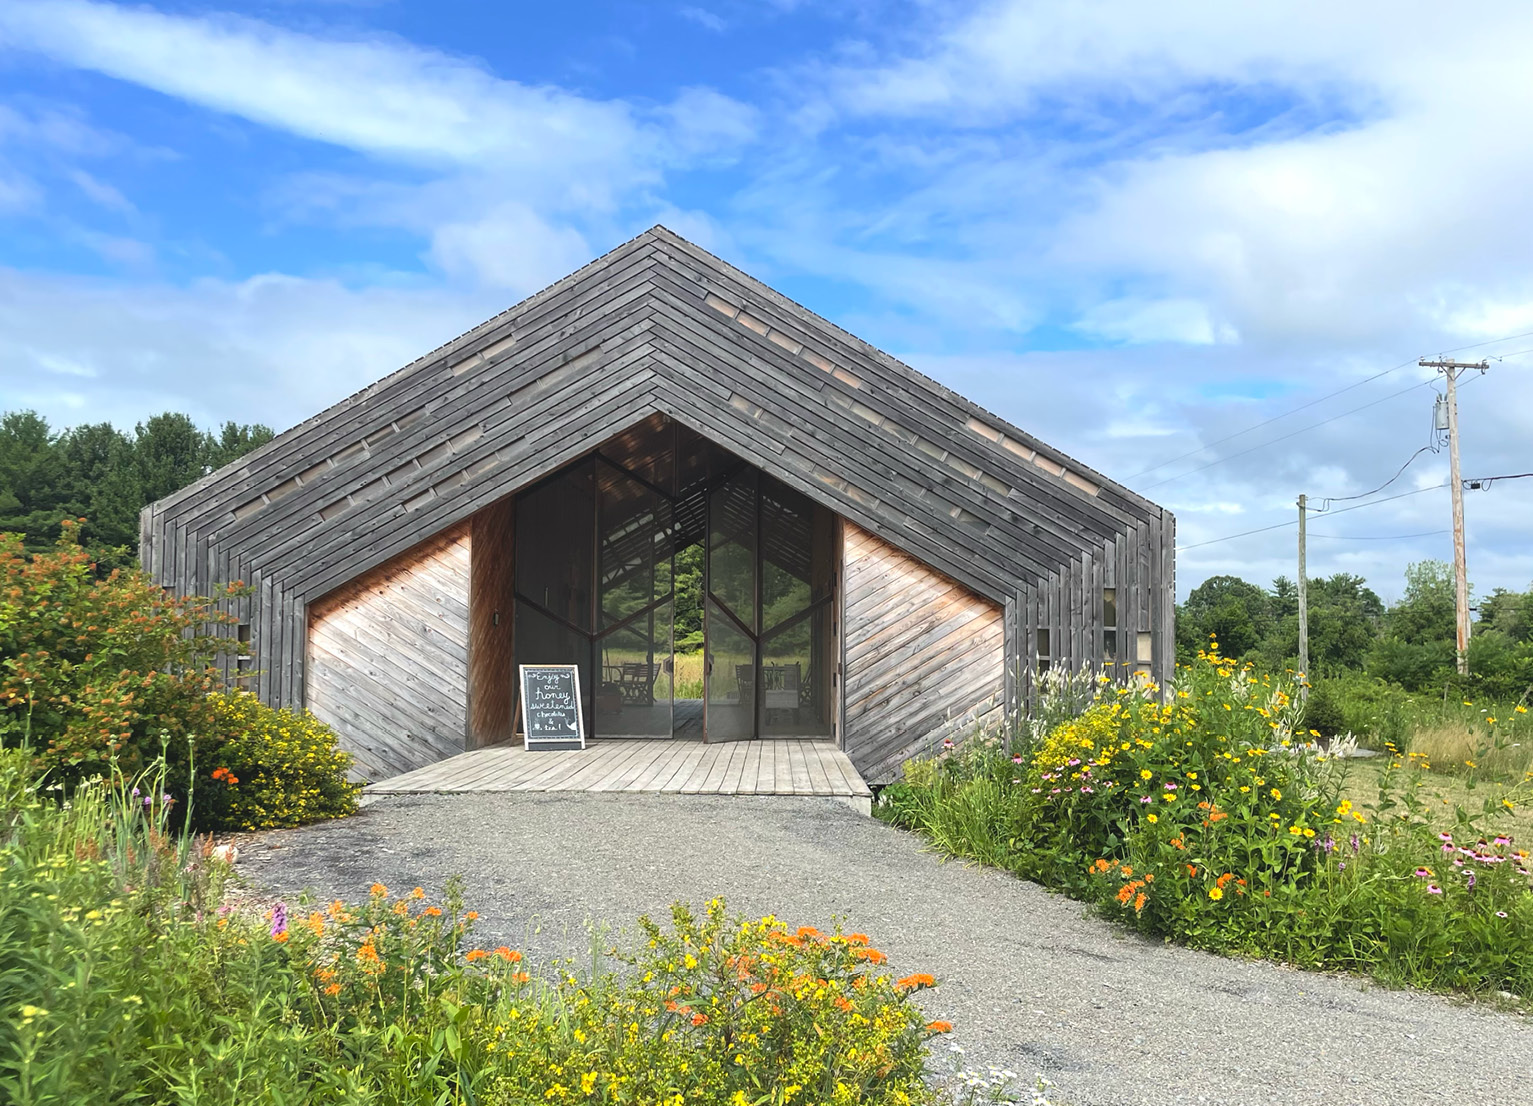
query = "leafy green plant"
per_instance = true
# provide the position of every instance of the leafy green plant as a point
(128, 978)
(270, 768)
(100, 670)
(1213, 819)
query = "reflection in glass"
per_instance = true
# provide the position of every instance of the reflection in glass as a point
(732, 545)
(541, 640)
(730, 679)
(795, 678)
(633, 698)
(634, 538)
(554, 527)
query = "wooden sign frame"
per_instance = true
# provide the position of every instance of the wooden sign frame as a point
(530, 742)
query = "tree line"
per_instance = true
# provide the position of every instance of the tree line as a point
(104, 475)
(1410, 643)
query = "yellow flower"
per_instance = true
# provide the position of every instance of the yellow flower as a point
(588, 1083)
(1275, 793)
(1308, 832)
(1215, 894)
(1145, 773)
(1153, 819)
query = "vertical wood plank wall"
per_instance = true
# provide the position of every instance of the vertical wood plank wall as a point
(491, 659)
(388, 658)
(925, 657)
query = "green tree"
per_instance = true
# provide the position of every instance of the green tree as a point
(33, 482)
(1231, 609)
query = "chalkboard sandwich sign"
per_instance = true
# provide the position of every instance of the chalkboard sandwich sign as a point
(551, 715)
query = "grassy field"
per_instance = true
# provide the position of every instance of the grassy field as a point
(1441, 794)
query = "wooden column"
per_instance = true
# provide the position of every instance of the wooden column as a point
(491, 645)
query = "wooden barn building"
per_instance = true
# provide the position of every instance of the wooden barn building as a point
(740, 521)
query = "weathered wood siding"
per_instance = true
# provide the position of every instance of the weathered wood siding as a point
(659, 325)
(924, 657)
(388, 658)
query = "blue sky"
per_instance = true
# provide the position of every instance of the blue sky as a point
(1130, 229)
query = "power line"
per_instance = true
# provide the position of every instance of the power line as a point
(1294, 522)
(1314, 402)
(1285, 437)
(1380, 537)
(1328, 500)
(1264, 422)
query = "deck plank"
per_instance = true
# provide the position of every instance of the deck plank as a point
(764, 767)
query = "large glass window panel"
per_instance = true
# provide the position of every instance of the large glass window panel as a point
(732, 545)
(633, 698)
(730, 680)
(555, 525)
(633, 542)
(541, 640)
(795, 678)
(796, 554)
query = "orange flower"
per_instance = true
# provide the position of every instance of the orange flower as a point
(699, 1019)
(418, 893)
(475, 954)
(511, 956)
(520, 977)
(434, 911)
(940, 1027)
(856, 938)
(808, 931)
(1191, 871)
(378, 891)
(401, 907)
(333, 989)
(472, 916)
(912, 982)
(843, 1004)
(872, 956)
(1139, 901)
(280, 938)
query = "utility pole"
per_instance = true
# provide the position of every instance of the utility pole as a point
(1303, 597)
(1451, 371)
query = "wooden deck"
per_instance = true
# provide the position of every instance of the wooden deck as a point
(672, 767)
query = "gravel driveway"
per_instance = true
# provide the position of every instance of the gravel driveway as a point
(1029, 981)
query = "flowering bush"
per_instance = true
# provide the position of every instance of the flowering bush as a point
(1207, 818)
(95, 670)
(269, 768)
(392, 1001)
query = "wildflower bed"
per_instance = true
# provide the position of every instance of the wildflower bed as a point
(1205, 819)
(128, 977)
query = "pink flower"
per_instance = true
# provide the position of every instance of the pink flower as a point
(1503, 841)
(1422, 873)
(1445, 837)
(1170, 787)
(1501, 913)
(1144, 798)
(1433, 889)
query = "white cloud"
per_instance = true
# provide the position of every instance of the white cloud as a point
(273, 348)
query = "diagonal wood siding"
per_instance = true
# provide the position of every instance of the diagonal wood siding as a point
(388, 658)
(659, 325)
(924, 657)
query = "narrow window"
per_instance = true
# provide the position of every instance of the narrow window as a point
(1109, 625)
(1044, 654)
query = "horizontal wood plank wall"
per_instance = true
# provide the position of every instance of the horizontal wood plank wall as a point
(925, 657)
(388, 658)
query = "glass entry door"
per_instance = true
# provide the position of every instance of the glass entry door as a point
(693, 591)
(770, 576)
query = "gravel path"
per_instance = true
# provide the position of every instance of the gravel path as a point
(1029, 981)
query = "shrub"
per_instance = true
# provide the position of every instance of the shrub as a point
(100, 670)
(1207, 819)
(1323, 714)
(268, 769)
(390, 1001)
